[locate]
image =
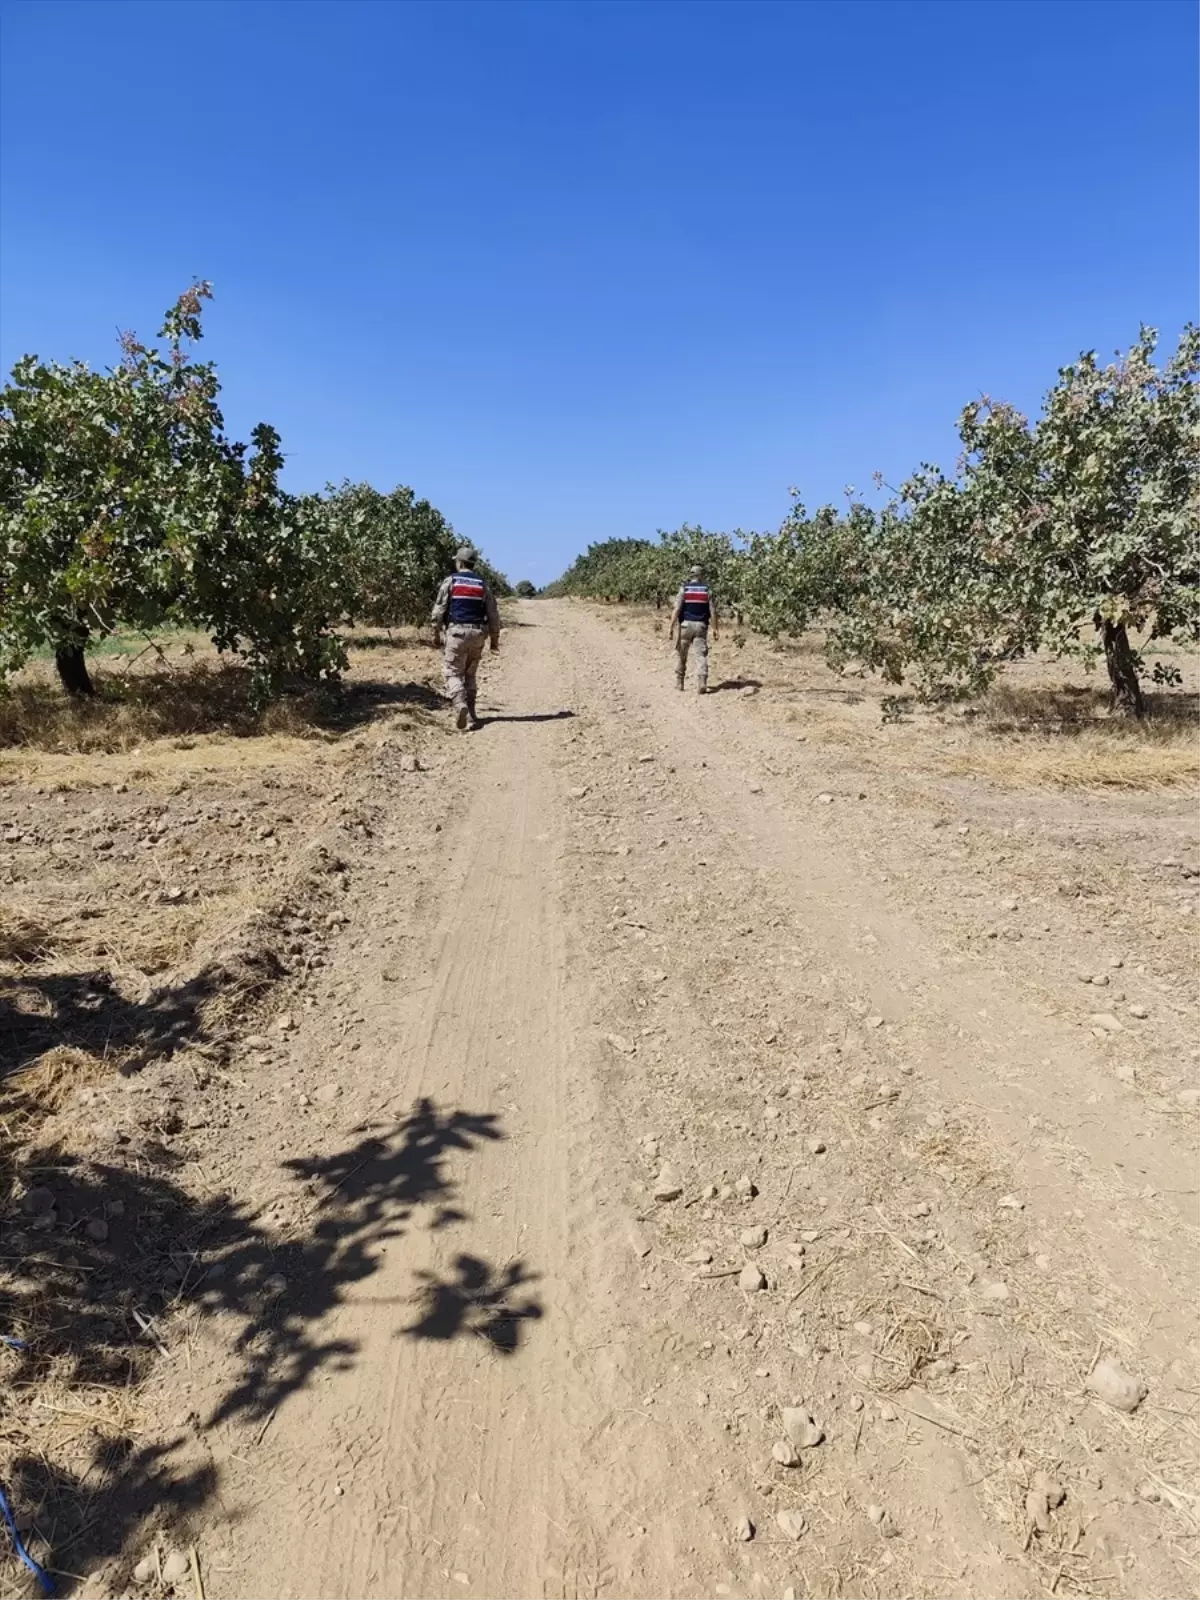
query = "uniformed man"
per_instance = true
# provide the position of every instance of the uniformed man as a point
(694, 612)
(465, 613)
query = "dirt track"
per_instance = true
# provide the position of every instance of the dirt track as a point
(584, 945)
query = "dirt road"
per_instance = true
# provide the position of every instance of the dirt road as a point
(634, 993)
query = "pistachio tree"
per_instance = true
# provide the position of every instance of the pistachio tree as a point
(104, 479)
(1067, 535)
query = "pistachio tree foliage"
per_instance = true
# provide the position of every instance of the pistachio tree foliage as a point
(1066, 534)
(651, 571)
(123, 504)
(1074, 534)
(397, 549)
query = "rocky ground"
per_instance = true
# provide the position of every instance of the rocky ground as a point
(654, 1146)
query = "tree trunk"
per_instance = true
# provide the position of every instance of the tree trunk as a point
(1122, 671)
(72, 671)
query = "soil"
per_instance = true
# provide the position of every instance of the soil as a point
(429, 1254)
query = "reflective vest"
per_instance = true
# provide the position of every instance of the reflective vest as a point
(696, 606)
(468, 603)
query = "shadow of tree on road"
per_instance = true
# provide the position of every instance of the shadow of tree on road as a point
(476, 1300)
(107, 1253)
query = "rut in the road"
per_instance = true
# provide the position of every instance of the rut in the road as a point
(551, 1384)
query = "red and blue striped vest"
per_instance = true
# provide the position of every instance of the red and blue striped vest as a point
(467, 599)
(696, 607)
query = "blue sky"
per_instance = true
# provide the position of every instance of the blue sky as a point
(584, 270)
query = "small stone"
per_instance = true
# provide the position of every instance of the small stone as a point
(257, 1041)
(1044, 1495)
(623, 1046)
(668, 1185)
(276, 1284)
(175, 1566)
(1139, 1011)
(38, 1201)
(750, 1279)
(1149, 1492)
(876, 1514)
(874, 1022)
(817, 1147)
(285, 1022)
(327, 1093)
(921, 1209)
(800, 1428)
(1100, 979)
(785, 1453)
(1116, 962)
(744, 1188)
(864, 1329)
(754, 1238)
(791, 1524)
(1105, 1022)
(577, 794)
(97, 1229)
(825, 798)
(855, 1402)
(1010, 1202)
(743, 1529)
(1109, 1381)
(144, 1571)
(700, 1258)
(887, 1412)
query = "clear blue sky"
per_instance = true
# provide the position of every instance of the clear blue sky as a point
(581, 270)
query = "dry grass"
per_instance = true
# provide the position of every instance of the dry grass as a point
(25, 937)
(45, 1087)
(1044, 724)
(194, 700)
(182, 688)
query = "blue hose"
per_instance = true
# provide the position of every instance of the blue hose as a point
(40, 1573)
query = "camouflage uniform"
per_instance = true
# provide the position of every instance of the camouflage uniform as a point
(694, 597)
(692, 633)
(464, 643)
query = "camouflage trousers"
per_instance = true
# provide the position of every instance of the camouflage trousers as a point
(692, 633)
(464, 647)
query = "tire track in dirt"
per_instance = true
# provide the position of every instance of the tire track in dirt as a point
(484, 1438)
(769, 924)
(531, 1407)
(1066, 1128)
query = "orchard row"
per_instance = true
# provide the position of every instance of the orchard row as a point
(123, 504)
(1074, 534)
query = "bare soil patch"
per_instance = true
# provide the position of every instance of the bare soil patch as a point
(655, 1146)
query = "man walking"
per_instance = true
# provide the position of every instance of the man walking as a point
(694, 611)
(465, 613)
